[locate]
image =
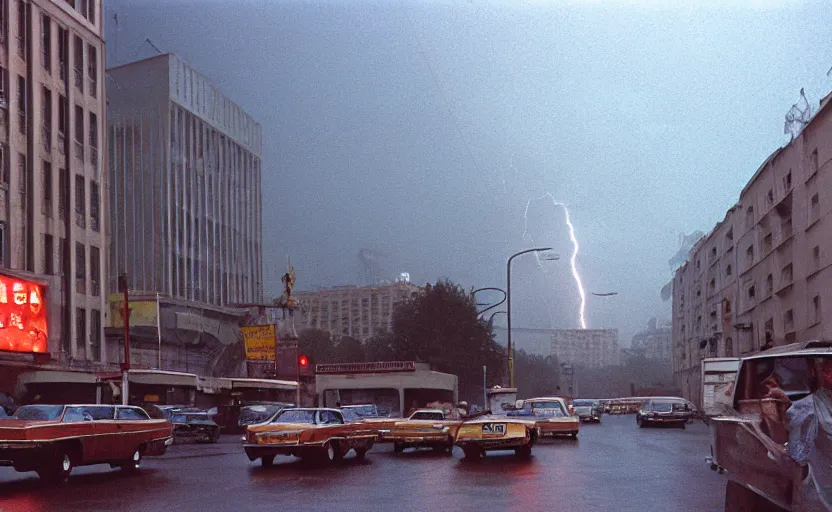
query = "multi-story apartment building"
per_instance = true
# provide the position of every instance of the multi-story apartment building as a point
(761, 277)
(590, 348)
(185, 171)
(53, 192)
(357, 312)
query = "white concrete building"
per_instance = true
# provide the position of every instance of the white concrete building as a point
(358, 312)
(53, 192)
(185, 171)
(590, 348)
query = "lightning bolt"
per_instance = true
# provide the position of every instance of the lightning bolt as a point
(573, 258)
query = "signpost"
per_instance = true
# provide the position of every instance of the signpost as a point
(260, 342)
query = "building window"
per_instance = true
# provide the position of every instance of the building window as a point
(47, 188)
(21, 104)
(787, 181)
(94, 140)
(95, 335)
(95, 221)
(21, 29)
(90, 12)
(4, 168)
(698, 264)
(713, 253)
(46, 43)
(79, 132)
(3, 255)
(788, 321)
(729, 237)
(749, 255)
(816, 312)
(786, 275)
(63, 37)
(813, 163)
(95, 271)
(46, 122)
(48, 255)
(728, 270)
(3, 30)
(3, 80)
(767, 243)
(751, 292)
(80, 268)
(21, 178)
(814, 208)
(92, 69)
(770, 197)
(63, 193)
(786, 229)
(749, 216)
(80, 201)
(63, 119)
(713, 284)
(81, 333)
(78, 63)
(769, 284)
(816, 257)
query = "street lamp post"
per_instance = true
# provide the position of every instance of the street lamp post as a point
(510, 348)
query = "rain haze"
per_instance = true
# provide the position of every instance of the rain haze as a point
(433, 132)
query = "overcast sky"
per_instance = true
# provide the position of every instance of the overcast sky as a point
(423, 130)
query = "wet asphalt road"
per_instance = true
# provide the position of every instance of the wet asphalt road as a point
(611, 466)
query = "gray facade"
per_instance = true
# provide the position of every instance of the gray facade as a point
(185, 173)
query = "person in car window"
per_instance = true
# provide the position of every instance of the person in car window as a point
(810, 433)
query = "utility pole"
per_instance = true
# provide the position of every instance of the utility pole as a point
(125, 367)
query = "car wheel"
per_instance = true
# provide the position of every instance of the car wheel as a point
(398, 447)
(682, 426)
(360, 453)
(524, 451)
(216, 437)
(641, 424)
(133, 463)
(329, 453)
(574, 435)
(57, 470)
(267, 461)
(471, 452)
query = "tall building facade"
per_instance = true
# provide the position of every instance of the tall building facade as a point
(185, 172)
(590, 348)
(357, 312)
(761, 278)
(654, 342)
(53, 191)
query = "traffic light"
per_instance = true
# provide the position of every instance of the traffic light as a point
(303, 365)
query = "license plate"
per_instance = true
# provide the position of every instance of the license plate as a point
(494, 428)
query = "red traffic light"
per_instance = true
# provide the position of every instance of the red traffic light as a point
(303, 361)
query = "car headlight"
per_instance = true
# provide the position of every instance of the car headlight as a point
(445, 430)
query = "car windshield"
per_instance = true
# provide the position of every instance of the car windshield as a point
(428, 416)
(39, 412)
(362, 411)
(257, 413)
(660, 406)
(295, 416)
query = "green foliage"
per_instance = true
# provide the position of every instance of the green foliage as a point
(536, 375)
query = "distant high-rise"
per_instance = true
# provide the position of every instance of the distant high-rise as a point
(592, 348)
(53, 192)
(185, 173)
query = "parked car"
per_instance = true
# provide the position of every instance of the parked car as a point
(425, 428)
(492, 432)
(673, 412)
(359, 412)
(196, 424)
(316, 434)
(774, 440)
(53, 439)
(588, 410)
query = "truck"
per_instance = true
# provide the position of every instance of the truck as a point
(718, 376)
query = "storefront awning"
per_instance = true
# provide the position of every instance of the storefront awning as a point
(263, 384)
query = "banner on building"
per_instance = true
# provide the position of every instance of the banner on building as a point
(142, 312)
(259, 342)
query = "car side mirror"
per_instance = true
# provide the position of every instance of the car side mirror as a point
(518, 404)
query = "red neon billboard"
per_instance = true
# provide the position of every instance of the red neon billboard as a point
(22, 316)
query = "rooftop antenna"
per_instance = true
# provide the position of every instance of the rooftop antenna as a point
(798, 116)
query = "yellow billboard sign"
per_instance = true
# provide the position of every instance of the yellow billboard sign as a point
(142, 312)
(259, 341)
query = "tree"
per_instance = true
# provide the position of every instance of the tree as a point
(440, 326)
(380, 348)
(317, 345)
(349, 350)
(536, 375)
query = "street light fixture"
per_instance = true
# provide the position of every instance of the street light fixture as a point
(547, 256)
(492, 306)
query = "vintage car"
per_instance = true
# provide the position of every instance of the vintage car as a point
(195, 424)
(429, 428)
(491, 432)
(673, 412)
(359, 412)
(52, 439)
(317, 434)
(588, 410)
(775, 440)
(551, 415)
